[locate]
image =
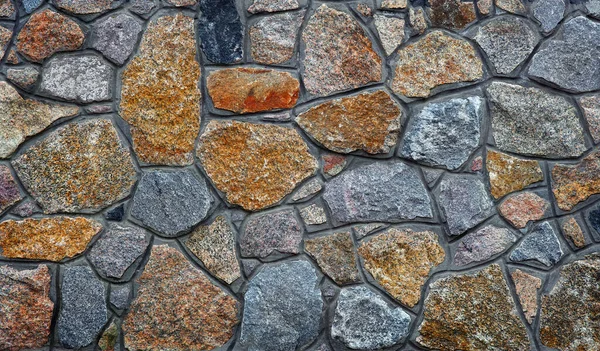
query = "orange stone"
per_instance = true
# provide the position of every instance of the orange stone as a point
(573, 231)
(508, 174)
(522, 208)
(572, 184)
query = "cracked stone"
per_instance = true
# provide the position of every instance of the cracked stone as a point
(313, 215)
(540, 244)
(573, 231)
(277, 231)
(512, 6)
(508, 174)
(23, 77)
(272, 5)
(527, 287)
(521, 208)
(273, 38)
(451, 14)
(549, 13)
(335, 256)
(591, 111)
(574, 183)
(391, 32)
(483, 244)
(115, 37)
(309, 189)
(9, 190)
(84, 7)
(221, 31)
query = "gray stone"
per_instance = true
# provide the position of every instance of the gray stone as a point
(282, 308)
(31, 5)
(464, 202)
(171, 203)
(119, 296)
(541, 244)
(115, 37)
(593, 6)
(276, 231)
(389, 191)
(444, 133)
(432, 175)
(83, 310)
(549, 13)
(143, 7)
(483, 244)
(507, 41)
(313, 215)
(530, 121)
(363, 320)
(85, 78)
(272, 5)
(273, 38)
(310, 188)
(23, 77)
(117, 249)
(572, 62)
(390, 31)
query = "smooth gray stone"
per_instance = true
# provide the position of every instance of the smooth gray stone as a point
(541, 245)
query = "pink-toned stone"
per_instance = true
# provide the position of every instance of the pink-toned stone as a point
(521, 208)
(527, 287)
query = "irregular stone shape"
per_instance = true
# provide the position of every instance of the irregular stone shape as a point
(265, 233)
(282, 307)
(79, 167)
(433, 60)
(464, 202)
(572, 230)
(484, 7)
(85, 78)
(417, 19)
(115, 37)
(25, 209)
(477, 164)
(47, 32)
(572, 184)
(313, 215)
(26, 308)
(143, 7)
(527, 286)
(23, 77)
(555, 63)
(272, 5)
(521, 208)
(247, 90)
(83, 310)
(362, 230)
(369, 122)
(333, 164)
(214, 245)
(431, 175)
(115, 214)
(9, 190)
(255, 165)
(83, 7)
(119, 297)
(309, 189)
(335, 256)
(507, 41)
(401, 260)
(540, 244)
(568, 317)
(393, 4)
(531, 121)
(171, 202)
(164, 121)
(444, 133)
(472, 312)
(221, 31)
(7, 9)
(338, 55)
(483, 244)
(5, 35)
(363, 320)
(117, 249)
(389, 192)
(52, 239)
(451, 14)
(31, 5)
(594, 218)
(508, 174)
(205, 314)
(180, 3)
(273, 38)
(593, 7)
(110, 338)
(363, 10)
(548, 12)
(512, 6)
(591, 111)
(391, 32)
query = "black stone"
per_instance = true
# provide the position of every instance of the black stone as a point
(115, 214)
(594, 218)
(221, 31)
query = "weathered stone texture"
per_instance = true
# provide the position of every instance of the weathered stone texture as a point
(9, 190)
(540, 244)
(508, 174)
(521, 208)
(572, 184)
(335, 255)
(83, 7)
(590, 106)
(273, 38)
(527, 287)
(265, 233)
(483, 244)
(572, 230)
(391, 32)
(221, 31)
(548, 12)
(24, 77)
(451, 14)
(115, 37)
(272, 5)
(512, 6)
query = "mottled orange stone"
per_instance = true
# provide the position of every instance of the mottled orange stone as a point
(521, 208)
(247, 90)
(527, 287)
(573, 231)
(572, 184)
(52, 238)
(508, 173)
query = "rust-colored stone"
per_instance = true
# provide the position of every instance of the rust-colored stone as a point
(255, 165)
(367, 121)
(335, 255)
(572, 184)
(47, 32)
(451, 14)
(508, 173)
(52, 238)
(573, 231)
(521, 208)
(333, 164)
(247, 90)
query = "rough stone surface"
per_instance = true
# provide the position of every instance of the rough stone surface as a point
(451, 14)
(272, 5)
(25, 308)
(52, 239)
(309, 189)
(177, 307)
(273, 38)
(531, 121)
(282, 307)
(572, 230)
(115, 37)
(593, 7)
(444, 133)
(247, 90)
(255, 165)
(221, 31)
(391, 32)
(338, 54)
(508, 174)
(527, 287)
(378, 192)
(115, 214)
(31, 5)
(335, 256)
(79, 167)
(9, 190)
(363, 320)
(313, 215)
(265, 233)
(540, 244)
(23, 77)
(119, 297)
(484, 7)
(521, 208)
(572, 184)
(369, 122)
(333, 164)
(25, 209)
(401, 261)
(590, 106)
(362, 230)
(214, 245)
(143, 7)
(594, 218)
(483, 244)
(110, 338)
(171, 202)
(83, 310)
(548, 12)
(433, 60)
(7, 9)
(83, 7)
(472, 312)
(164, 121)
(393, 4)
(417, 19)
(512, 6)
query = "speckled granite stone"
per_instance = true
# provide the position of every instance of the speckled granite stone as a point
(272, 5)
(273, 38)
(540, 244)
(220, 30)
(277, 231)
(521, 208)
(483, 244)
(574, 183)
(527, 287)
(9, 190)
(335, 256)
(451, 14)
(115, 37)
(507, 173)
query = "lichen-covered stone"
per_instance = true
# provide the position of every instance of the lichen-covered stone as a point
(548, 12)
(401, 260)
(307, 190)
(508, 174)
(572, 230)
(527, 287)
(110, 338)
(451, 14)
(273, 38)
(363, 320)
(335, 255)
(444, 133)
(531, 121)
(221, 31)
(590, 105)
(389, 191)
(483, 244)
(433, 60)
(391, 32)
(79, 167)
(574, 183)
(47, 32)
(115, 37)
(521, 208)
(512, 6)
(255, 165)
(177, 307)
(338, 55)
(26, 308)
(367, 121)
(472, 312)
(247, 90)
(214, 245)
(164, 121)
(277, 231)
(313, 215)
(540, 244)
(272, 5)
(24, 77)
(9, 190)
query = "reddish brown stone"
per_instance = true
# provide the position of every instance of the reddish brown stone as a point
(522, 208)
(333, 164)
(451, 14)
(477, 164)
(508, 173)
(572, 184)
(47, 32)
(573, 231)
(527, 287)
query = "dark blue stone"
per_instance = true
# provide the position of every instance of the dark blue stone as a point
(594, 218)
(221, 31)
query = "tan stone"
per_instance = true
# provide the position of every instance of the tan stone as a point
(521, 208)
(335, 255)
(527, 287)
(508, 173)
(513, 6)
(393, 4)
(5, 35)
(572, 184)
(573, 231)
(7, 9)
(451, 14)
